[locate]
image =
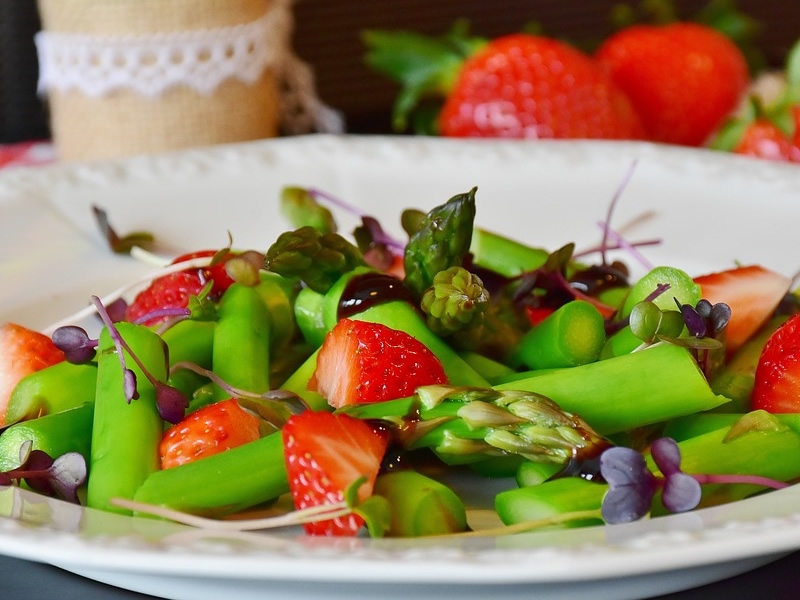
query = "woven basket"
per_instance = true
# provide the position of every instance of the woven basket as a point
(126, 122)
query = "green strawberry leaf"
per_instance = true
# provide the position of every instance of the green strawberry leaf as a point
(425, 66)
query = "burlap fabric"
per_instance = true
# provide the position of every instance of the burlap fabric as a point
(124, 122)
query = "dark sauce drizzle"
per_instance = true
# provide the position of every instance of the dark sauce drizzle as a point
(370, 289)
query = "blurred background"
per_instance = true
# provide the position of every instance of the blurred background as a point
(327, 36)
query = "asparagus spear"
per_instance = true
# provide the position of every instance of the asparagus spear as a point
(56, 434)
(420, 505)
(242, 331)
(61, 386)
(772, 453)
(441, 241)
(125, 434)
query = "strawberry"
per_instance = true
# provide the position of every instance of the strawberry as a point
(777, 378)
(361, 362)
(684, 79)
(175, 289)
(518, 86)
(752, 293)
(522, 86)
(763, 138)
(325, 453)
(22, 351)
(207, 431)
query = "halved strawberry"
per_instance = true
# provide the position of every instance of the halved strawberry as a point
(361, 362)
(207, 431)
(777, 378)
(325, 453)
(22, 351)
(752, 292)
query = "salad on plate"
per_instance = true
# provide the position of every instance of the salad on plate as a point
(346, 382)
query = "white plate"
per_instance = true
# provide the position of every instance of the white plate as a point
(710, 210)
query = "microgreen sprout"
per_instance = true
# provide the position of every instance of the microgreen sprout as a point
(172, 402)
(291, 400)
(632, 486)
(75, 343)
(60, 477)
(373, 509)
(120, 244)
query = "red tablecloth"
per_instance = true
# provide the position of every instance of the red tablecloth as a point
(27, 154)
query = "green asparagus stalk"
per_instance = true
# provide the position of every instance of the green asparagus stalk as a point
(465, 425)
(552, 499)
(737, 377)
(619, 394)
(56, 434)
(243, 330)
(420, 505)
(442, 241)
(765, 448)
(503, 255)
(61, 386)
(125, 434)
(573, 335)
(221, 484)
(190, 341)
(771, 452)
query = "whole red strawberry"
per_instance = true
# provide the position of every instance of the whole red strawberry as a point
(523, 86)
(683, 79)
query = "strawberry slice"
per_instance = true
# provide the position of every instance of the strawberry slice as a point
(22, 351)
(777, 378)
(361, 362)
(325, 453)
(207, 431)
(752, 292)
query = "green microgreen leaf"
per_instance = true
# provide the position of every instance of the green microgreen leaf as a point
(120, 244)
(301, 208)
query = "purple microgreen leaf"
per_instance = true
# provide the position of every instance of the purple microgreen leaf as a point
(661, 288)
(120, 244)
(129, 384)
(695, 323)
(667, 455)
(117, 310)
(74, 342)
(613, 204)
(631, 485)
(703, 308)
(60, 477)
(336, 201)
(681, 493)
(67, 473)
(720, 316)
(630, 247)
(171, 403)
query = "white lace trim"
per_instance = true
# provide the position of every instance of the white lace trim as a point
(201, 60)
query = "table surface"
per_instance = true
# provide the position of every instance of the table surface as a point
(22, 580)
